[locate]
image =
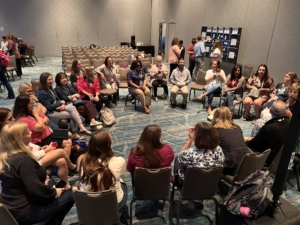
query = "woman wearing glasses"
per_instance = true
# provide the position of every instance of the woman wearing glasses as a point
(137, 81)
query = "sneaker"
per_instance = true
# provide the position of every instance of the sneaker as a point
(96, 123)
(156, 99)
(95, 128)
(235, 102)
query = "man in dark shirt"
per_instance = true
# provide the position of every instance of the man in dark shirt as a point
(273, 134)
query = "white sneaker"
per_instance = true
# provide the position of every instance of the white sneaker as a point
(156, 99)
(96, 123)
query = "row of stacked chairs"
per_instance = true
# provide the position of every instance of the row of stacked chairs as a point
(122, 56)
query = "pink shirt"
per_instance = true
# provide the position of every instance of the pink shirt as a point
(35, 136)
(82, 85)
(174, 54)
(165, 154)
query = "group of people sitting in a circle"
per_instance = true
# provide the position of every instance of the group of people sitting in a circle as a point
(28, 148)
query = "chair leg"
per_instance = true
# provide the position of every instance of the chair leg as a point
(216, 209)
(36, 58)
(131, 204)
(297, 174)
(178, 211)
(170, 211)
(190, 95)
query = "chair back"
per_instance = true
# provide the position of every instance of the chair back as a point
(247, 71)
(201, 183)
(97, 63)
(250, 163)
(201, 77)
(12, 62)
(80, 57)
(85, 63)
(97, 208)
(274, 164)
(6, 217)
(151, 184)
(35, 86)
(123, 77)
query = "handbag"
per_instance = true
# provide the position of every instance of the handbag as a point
(4, 59)
(78, 102)
(254, 93)
(107, 117)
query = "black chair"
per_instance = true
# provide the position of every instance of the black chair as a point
(151, 184)
(249, 164)
(97, 208)
(199, 184)
(6, 217)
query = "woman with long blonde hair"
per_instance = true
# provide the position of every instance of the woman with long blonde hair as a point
(231, 139)
(26, 191)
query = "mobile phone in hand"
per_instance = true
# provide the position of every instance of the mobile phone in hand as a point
(61, 184)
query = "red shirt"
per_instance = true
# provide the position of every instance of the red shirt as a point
(191, 49)
(31, 122)
(165, 154)
(82, 85)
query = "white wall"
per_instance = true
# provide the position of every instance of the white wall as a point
(270, 28)
(49, 24)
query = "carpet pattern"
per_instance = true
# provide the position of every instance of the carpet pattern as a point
(130, 123)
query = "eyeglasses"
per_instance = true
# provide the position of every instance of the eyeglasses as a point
(29, 91)
(138, 65)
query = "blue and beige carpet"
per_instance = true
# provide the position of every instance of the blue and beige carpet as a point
(130, 123)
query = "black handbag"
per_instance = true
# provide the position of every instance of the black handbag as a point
(78, 102)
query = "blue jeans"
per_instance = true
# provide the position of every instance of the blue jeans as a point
(4, 81)
(211, 91)
(55, 211)
(228, 100)
(123, 202)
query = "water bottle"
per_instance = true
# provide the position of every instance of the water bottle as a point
(124, 65)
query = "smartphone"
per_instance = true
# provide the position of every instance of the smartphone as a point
(61, 184)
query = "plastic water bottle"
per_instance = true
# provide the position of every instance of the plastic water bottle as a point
(124, 65)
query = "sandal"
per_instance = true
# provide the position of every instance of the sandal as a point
(87, 132)
(77, 137)
(246, 117)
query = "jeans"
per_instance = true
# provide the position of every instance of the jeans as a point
(211, 91)
(55, 211)
(192, 66)
(228, 100)
(199, 64)
(4, 81)
(123, 202)
(163, 84)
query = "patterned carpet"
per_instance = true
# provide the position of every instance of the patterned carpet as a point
(130, 123)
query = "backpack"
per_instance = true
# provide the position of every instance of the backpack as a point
(5, 60)
(251, 196)
(107, 117)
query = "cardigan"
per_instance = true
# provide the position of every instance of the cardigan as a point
(239, 89)
(63, 94)
(23, 185)
(82, 85)
(49, 100)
